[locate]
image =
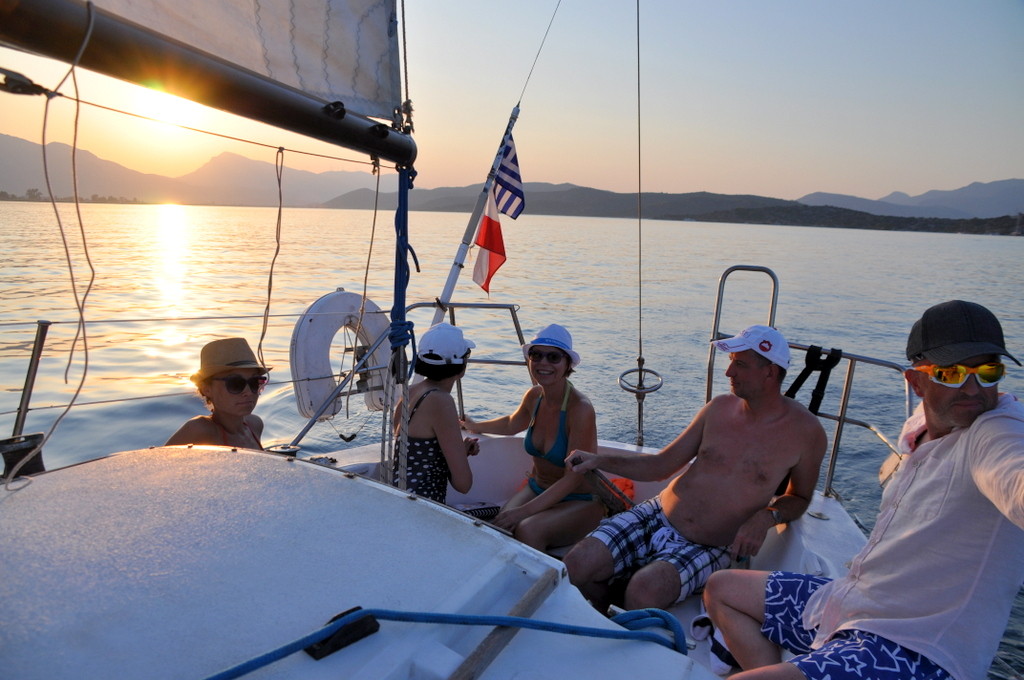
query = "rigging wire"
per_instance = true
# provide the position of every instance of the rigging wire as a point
(639, 199)
(640, 361)
(407, 100)
(80, 301)
(639, 389)
(279, 172)
(539, 50)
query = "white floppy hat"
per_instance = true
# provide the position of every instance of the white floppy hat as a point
(442, 344)
(764, 340)
(554, 336)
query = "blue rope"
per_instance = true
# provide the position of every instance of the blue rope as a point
(401, 330)
(631, 620)
(401, 333)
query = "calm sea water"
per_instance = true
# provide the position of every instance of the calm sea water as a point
(171, 278)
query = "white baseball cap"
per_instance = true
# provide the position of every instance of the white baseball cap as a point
(443, 344)
(764, 340)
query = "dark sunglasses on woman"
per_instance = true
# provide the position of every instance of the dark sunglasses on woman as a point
(236, 383)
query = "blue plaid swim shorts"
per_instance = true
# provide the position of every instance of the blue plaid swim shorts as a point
(642, 535)
(849, 654)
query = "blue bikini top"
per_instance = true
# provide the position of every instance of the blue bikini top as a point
(560, 449)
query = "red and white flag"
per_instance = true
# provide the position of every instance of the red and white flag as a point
(492, 247)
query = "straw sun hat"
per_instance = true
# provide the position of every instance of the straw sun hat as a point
(223, 355)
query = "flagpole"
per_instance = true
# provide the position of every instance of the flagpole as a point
(474, 220)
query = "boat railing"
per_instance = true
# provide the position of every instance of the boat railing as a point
(349, 386)
(450, 307)
(39, 344)
(841, 418)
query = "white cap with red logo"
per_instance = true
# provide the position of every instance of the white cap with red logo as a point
(764, 340)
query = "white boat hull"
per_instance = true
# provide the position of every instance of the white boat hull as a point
(182, 562)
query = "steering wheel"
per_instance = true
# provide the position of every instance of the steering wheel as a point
(638, 387)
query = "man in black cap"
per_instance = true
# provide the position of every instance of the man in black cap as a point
(930, 593)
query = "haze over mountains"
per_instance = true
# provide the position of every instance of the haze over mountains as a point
(229, 179)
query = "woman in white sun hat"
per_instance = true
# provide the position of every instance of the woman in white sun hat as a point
(556, 507)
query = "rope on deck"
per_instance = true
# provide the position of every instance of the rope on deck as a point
(631, 621)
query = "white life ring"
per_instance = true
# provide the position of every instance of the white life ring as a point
(310, 355)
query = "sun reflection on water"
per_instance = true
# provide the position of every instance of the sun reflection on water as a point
(174, 231)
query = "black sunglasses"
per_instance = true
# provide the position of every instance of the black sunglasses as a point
(552, 357)
(236, 383)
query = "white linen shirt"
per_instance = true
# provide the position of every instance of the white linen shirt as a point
(943, 564)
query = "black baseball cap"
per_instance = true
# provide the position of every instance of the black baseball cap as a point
(953, 331)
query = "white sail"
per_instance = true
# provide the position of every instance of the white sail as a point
(336, 50)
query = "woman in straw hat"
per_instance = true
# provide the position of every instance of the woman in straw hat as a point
(556, 507)
(229, 380)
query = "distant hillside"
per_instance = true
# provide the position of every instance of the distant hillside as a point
(228, 179)
(567, 199)
(251, 182)
(798, 215)
(980, 199)
(22, 170)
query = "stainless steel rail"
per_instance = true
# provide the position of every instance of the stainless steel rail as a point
(30, 376)
(852, 360)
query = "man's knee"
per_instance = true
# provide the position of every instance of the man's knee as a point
(656, 585)
(737, 589)
(588, 561)
(718, 585)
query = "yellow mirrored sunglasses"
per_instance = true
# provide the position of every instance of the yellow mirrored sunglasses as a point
(957, 374)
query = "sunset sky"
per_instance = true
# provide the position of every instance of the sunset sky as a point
(778, 98)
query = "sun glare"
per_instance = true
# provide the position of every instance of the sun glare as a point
(153, 103)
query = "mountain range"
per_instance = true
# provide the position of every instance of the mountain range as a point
(229, 179)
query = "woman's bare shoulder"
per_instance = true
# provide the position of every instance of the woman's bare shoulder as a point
(197, 430)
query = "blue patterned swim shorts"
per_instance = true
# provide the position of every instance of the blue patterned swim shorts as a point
(642, 535)
(849, 654)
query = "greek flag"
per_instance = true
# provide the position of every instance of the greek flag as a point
(508, 185)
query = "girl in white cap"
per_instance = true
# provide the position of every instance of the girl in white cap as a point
(436, 452)
(230, 381)
(556, 507)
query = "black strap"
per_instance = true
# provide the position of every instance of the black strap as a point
(420, 401)
(816, 361)
(818, 393)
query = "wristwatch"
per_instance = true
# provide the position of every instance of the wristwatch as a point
(776, 516)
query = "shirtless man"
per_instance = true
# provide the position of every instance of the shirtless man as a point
(736, 452)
